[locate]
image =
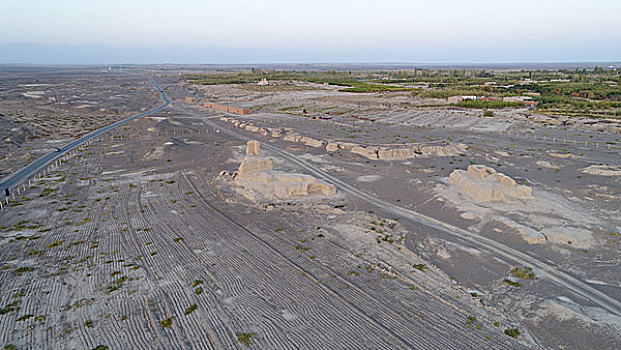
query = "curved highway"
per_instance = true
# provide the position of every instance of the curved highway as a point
(24, 173)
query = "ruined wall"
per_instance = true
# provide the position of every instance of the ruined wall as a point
(228, 109)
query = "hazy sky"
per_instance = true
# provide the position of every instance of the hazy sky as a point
(319, 30)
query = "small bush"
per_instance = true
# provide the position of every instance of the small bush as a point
(20, 270)
(246, 338)
(167, 322)
(196, 283)
(191, 309)
(512, 332)
(525, 273)
(420, 267)
(511, 283)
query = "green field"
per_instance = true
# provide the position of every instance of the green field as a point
(581, 92)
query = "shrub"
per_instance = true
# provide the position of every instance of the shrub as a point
(512, 332)
(191, 309)
(167, 322)
(246, 338)
(525, 273)
(420, 267)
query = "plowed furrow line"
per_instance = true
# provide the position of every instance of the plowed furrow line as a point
(402, 342)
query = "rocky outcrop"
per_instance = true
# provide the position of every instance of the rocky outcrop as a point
(252, 164)
(333, 146)
(291, 136)
(309, 141)
(367, 152)
(443, 150)
(154, 154)
(484, 184)
(406, 152)
(387, 153)
(603, 170)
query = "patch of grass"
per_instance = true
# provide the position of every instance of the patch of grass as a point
(365, 87)
(24, 317)
(246, 338)
(488, 104)
(20, 270)
(420, 267)
(353, 272)
(167, 322)
(11, 307)
(88, 324)
(511, 283)
(191, 309)
(33, 252)
(116, 284)
(178, 239)
(300, 248)
(55, 244)
(84, 221)
(198, 291)
(196, 283)
(522, 272)
(82, 302)
(512, 332)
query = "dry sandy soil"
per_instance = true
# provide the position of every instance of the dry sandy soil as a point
(137, 241)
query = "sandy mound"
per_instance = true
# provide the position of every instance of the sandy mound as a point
(561, 155)
(258, 182)
(154, 154)
(484, 184)
(603, 170)
(402, 152)
(487, 196)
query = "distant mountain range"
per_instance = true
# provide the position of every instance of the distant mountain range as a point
(37, 54)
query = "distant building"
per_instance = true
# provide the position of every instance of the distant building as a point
(455, 99)
(263, 82)
(517, 98)
(527, 100)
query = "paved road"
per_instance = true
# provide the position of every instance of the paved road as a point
(24, 173)
(515, 256)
